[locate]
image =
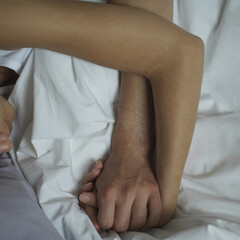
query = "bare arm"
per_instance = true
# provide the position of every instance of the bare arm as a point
(129, 40)
(171, 158)
(137, 110)
(135, 100)
(132, 105)
(82, 29)
(6, 111)
(174, 122)
(134, 135)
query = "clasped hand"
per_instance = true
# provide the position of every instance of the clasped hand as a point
(125, 195)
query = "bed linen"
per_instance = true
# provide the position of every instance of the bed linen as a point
(65, 113)
(21, 216)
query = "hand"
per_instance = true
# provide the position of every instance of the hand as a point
(128, 194)
(88, 195)
(6, 118)
(88, 199)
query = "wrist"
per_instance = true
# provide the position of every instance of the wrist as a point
(169, 186)
(127, 161)
(131, 140)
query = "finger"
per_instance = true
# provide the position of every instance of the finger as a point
(9, 124)
(99, 163)
(122, 216)
(91, 177)
(3, 137)
(5, 146)
(96, 170)
(139, 213)
(154, 211)
(4, 127)
(88, 187)
(106, 211)
(85, 188)
(89, 199)
(92, 214)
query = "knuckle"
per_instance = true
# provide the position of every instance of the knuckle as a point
(120, 228)
(149, 188)
(153, 186)
(148, 225)
(140, 225)
(108, 193)
(105, 225)
(154, 223)
(129, 193)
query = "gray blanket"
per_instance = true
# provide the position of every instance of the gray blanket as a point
(21, 218)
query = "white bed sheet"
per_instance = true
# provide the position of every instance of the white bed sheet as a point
(65, 117)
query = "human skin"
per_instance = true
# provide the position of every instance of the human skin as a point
(6, 112)
(132, 142)
(128, 166)
(7, 76)
(132, 41)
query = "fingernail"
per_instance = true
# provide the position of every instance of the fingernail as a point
(93, 170)
(84, 198)
(96, 165)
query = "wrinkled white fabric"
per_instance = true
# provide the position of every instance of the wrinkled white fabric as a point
(14, 59)
(65, 116)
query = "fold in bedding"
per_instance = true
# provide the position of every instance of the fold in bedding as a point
(64, 109)
(65, 117)
(21, 216)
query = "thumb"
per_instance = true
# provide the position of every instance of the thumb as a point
(89, 199)
(5, 143)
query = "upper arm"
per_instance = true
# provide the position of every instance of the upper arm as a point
(163, 8)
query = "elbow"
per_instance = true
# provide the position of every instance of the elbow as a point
(185, 58)
(194, 48)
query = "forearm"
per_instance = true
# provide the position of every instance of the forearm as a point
(135, 120)
(135, 128)
(176, 121)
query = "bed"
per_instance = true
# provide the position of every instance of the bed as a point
(53, 146)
